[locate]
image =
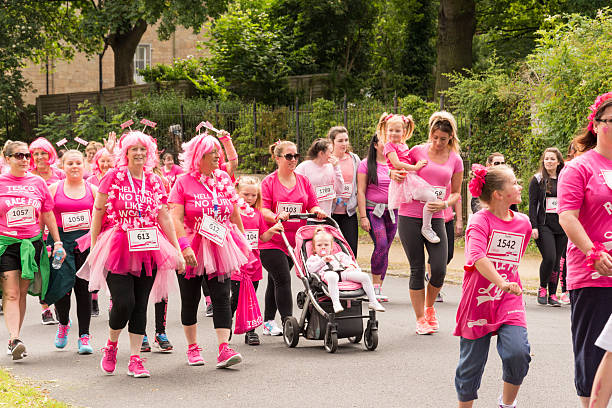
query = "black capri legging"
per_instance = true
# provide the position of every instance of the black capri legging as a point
(130, 296)
(552, 247)
(278, 291)
(83, 299)
(349, 226)
(409, 229)
(219, 296)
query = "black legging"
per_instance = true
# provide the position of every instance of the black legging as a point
(219, 296)
(409, 229)
(130, 296)
(278, 292)
(349, 228)
(552, 247)
(161, 311)
(83, 299)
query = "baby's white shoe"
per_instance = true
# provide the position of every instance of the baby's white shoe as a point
(376, 306)
(430, 234)
(338, 307)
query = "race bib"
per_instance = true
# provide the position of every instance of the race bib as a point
(78, 220)
(505, 247)
(252, 237)
(22, 215)
(325, 192)
(551, 204)
(291, 208)
(607, 175)
(213, 230)
(440, 192)
(347, 190)
(142, 239)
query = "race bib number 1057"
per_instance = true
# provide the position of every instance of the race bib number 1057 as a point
(22, 215)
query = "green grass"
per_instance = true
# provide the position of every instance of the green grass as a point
(18, 393)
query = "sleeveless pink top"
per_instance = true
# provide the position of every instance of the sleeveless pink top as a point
(66, 205)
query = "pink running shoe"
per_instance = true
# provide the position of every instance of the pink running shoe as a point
(136, 369)
(432, 318)
(194, 358)
(228, 357)
(422, 327)
(564, 299)
(109, 359)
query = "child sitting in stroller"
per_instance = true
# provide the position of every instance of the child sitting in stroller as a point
(333, 266)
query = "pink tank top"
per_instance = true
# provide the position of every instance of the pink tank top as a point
(71, 214)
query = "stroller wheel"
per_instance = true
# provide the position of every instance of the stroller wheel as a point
(291, 332)
(370, 338)
(331, 340)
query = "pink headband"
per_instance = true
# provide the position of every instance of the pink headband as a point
(478, 181)
(598, 101)
(44, 144)
(404, 119)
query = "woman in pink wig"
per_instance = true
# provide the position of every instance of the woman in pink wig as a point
(102, 161)
(206, 213)
(43, 157)
(137, 257)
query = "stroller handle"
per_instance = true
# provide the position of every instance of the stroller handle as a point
(313, 217)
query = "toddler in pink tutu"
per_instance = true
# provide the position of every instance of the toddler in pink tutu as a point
(333, 266)
(394, 130)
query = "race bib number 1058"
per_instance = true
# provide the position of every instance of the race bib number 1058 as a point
(74, 221)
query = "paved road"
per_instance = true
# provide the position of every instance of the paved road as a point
(406, 370)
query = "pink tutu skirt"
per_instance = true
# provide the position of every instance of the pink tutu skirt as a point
(219, 261)
(111, 254)
(404, 192)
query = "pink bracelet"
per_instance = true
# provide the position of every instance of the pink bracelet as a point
(226, 137)
(184, 243)
(594, 254)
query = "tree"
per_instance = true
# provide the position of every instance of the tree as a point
(456, 27)
(121, 24)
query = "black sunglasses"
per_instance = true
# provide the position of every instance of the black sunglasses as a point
(498, 163)
(290, 156)
(21, 156)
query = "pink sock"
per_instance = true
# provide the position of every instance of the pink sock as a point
(222, 345)
(208, 300)
(94, 296)
(192, 345)
(111, 343)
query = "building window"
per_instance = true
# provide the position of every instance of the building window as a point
(142, 59)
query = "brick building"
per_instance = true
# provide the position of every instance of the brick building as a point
(82, 74)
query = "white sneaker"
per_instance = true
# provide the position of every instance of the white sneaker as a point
(338, 308)
(430, 235)
(376, 306)
(270, 328)
(379, 295)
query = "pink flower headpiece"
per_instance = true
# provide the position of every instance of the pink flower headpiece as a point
(44, 144)
(478, 181)
(598, 101)
(405, 119)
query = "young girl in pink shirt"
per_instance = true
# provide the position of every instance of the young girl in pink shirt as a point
(256, 230)
(491, 302)
(395, 130)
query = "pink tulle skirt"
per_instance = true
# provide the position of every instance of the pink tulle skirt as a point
(219, 261)
(111, 254)
(404, 192)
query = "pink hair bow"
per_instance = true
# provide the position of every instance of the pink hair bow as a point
(598, 101)
(478, 181)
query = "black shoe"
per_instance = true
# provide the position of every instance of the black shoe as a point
(145, 347)
(95, 309)
(47, 317)
(17, 349)
(251, 338)
(209, 310)
(552, 301)
(162, 343)
(542, 296)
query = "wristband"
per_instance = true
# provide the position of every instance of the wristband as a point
(225, 137)
(363, 217)
(594, 254)
(58, 243)
(184, 243)
(446, 204)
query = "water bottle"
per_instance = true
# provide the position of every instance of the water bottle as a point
(57, 258)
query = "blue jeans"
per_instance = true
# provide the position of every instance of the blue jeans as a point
(513, 348)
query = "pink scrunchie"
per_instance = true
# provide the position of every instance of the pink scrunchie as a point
(478, 181)
(598, 101)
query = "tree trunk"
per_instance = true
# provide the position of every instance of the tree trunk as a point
(124, 46)
(456, 27)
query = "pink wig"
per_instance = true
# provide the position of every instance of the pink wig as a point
(44, 144)
(195, 149)
(95, 167)
(132, 138)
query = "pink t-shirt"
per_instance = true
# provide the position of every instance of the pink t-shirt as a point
(378, 193)
(171, 175)
(437, 175)
(56, 175)
(276, 197)
(326, 180)
(197, 200)
(93, 180)
(254, 227)
(133, 208)
(584, 185)
(401, 149)
(483, 307)
(22, 200)
(347, 168)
